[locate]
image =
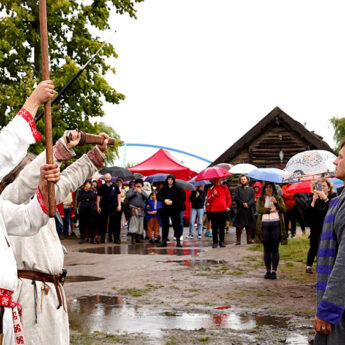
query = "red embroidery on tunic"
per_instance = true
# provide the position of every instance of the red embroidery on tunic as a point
(31, 121)
(7, 302)
(41, 202)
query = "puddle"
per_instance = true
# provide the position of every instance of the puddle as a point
(113, 314)
(143, 249)
(78, 279)
(197, 262)
(80, 264)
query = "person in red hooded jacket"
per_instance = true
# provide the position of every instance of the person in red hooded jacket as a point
(218, 203)
(290, 218)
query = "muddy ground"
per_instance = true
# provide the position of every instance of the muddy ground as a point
(192, 295)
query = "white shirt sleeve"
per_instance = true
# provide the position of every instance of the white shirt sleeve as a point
(15, 140)
(24, 219)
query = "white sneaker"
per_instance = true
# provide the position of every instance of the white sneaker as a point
(199, 237)
(190, 236)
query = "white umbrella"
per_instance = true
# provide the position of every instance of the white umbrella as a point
(311, 162)
(242, 168)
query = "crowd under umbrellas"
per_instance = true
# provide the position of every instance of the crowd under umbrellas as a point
(300, 173)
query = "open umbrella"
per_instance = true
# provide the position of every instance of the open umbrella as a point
(124, 173)
(211, 173)
(225, 166)
(156, 178)
(305, 186)
(184, 184)
(267, 174)
(311, 162)
(242, 168)
(198, 183)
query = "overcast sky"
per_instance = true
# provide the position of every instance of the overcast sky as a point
(198, 74)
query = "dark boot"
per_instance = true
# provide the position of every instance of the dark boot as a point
(133, 238)
(249, 235)
(238, 236)
(178, 243)
(163, 244)
(137, 238)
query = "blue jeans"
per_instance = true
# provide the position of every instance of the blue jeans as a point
(193, 213)
(181, 216)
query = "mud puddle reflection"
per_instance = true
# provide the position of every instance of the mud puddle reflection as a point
(143, 249)
(196, 262)
(113, 314)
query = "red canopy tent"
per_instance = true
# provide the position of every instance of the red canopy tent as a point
(163, 162)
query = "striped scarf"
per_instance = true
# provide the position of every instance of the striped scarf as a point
(331, 299)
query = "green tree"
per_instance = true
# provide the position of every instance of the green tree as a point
(339, 130)
(71, 44)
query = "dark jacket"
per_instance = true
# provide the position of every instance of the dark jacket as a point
(197, 202)
(174, 193)
(261, 209)
(317, 214)
(244, 216)
(87, 199)
(108, 195)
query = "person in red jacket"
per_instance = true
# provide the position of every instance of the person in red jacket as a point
(218, 202)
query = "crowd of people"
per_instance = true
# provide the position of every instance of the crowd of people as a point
(268, 213)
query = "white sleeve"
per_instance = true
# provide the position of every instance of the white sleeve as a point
(15, 140)
(24, 219)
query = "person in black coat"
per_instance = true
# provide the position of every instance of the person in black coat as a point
(87, 210)
(172, 198)
(322, 194)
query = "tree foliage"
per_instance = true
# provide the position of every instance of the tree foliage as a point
(339, 130)
(71, 44)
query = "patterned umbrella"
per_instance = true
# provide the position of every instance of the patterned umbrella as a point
(311, 162)
(225, 166)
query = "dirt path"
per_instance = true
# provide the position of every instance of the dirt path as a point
(224, 284)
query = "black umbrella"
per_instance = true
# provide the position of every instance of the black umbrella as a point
(124, 173)
(184, 184)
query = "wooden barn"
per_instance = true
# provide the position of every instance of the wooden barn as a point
(272, 142)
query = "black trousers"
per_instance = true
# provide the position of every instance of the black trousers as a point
(115, 225)
(314, 241)
(270, 239)
(87, 222)
(289, 215)
(176, 223)
(105, 216)
(218, 220)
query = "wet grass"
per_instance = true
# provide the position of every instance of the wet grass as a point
(295, 251)
(99, 338)
(135, 292)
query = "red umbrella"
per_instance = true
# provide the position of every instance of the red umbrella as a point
(301, 187)
(213, 172)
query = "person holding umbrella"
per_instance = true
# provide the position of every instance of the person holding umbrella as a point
(218, 203)
(270, 227)
(172, 198)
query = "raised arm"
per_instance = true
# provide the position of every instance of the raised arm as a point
(16, 137)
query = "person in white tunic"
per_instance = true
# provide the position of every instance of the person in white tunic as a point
(40, 258)
(19, 220)
(15, 139)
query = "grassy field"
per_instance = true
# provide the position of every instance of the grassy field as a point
(296, 249)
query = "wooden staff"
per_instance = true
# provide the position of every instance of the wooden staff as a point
(47, 106)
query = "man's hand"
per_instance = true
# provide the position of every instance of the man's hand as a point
(103, 147)
(118, 209)
(245, 205)
(48, 173)
(43, 93)
(321, 326)
(138, 190)
(99, 211)
(73, 138)
(168, 202)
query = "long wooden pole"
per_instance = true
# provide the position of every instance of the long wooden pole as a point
(47, 106)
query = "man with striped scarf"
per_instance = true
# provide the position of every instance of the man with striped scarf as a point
(329, 321)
